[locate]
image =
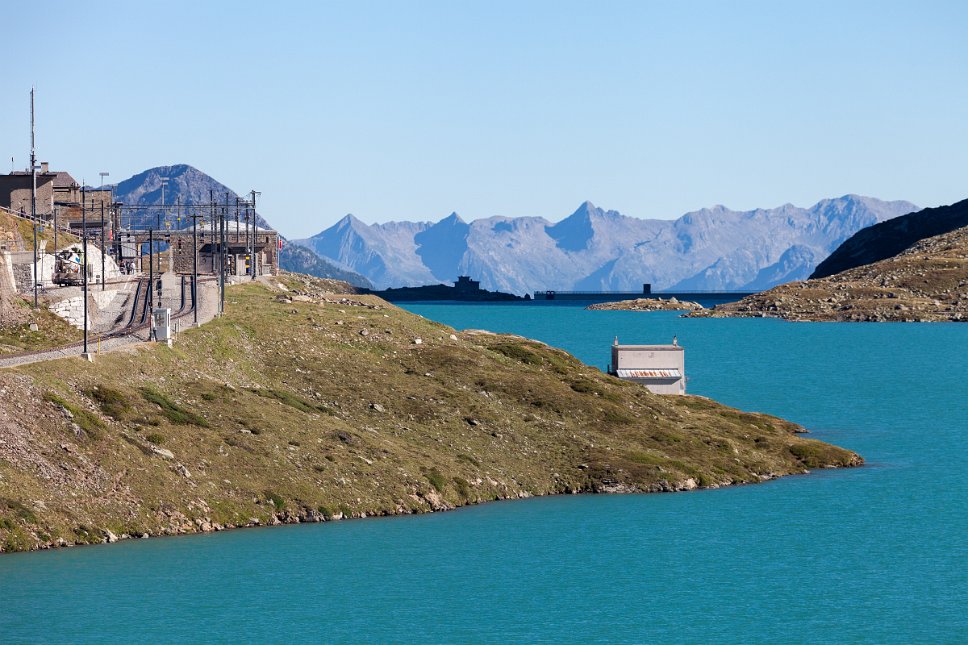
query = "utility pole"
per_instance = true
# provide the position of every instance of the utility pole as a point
(164, 182)
(225, 255)
(195, 217)
(248, 254)
(84, 260)
(33, 190)
(104, 244)
(222, 258)
(254, 216)
(104, 247)
(151, 285)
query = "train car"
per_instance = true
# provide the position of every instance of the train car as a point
(67, 267)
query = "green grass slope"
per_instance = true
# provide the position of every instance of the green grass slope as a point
(306, 405)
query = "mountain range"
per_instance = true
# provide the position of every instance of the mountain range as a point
(596, 249)
(188, 185)
(912, 268)
(887, 239)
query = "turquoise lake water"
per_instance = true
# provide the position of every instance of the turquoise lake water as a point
(877, 554)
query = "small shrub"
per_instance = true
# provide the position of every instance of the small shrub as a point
(468, 459)
(517, 352)
(87, 421)
(814, 454)
(615, 416)
(463, 487)
(171, 410)
(646, 459)
(19, 510)
(155, 438)
(325, 512)
(113, 403)
(278, 502)
(436, 480)
(208, 396)
(293, 401)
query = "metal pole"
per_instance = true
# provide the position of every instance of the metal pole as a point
(255, 266)
(224, 254)
(195, 268)
(164, 180)
(151, 268)
(218, 229)
(104, 247)
(55, 229)
(84, 260)
(33, 189)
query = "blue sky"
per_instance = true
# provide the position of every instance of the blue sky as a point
(396, 110)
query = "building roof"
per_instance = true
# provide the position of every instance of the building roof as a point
(63, 180)
(650, 347)
(650, 374)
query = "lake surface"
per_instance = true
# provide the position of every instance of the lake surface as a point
(877, 554)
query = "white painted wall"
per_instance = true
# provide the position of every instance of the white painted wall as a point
(643, 357)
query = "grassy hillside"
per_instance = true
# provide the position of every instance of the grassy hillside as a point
(16, 316)
(304, 405)
(928, 282)
(23, 231)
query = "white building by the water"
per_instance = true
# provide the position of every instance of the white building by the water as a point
(661, 368)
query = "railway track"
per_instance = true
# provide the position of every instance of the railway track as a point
(138, 319)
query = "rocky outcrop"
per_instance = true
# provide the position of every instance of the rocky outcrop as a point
(926, 283)
(647, 304)
(887, 239)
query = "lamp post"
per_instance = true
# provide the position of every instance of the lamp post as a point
(33, 190)
(104, 246)
(161, 213)
(255, 268)
(195, 217)
(84, 262)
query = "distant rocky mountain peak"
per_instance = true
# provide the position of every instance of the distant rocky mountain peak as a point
(188, 185)
(593, 248)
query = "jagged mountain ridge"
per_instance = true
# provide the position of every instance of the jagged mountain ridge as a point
(925, 282)
(596, 249)
(890, 238)
(188, 185)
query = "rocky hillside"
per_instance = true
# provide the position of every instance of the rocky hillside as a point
(889, 238)
(299, 259)
(301, 404)
(188, 185)
(21, 327)
(596, 249)
(928, 282)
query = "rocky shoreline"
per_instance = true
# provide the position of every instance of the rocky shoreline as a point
(647, 304)
(926, 283)
(181, 525)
